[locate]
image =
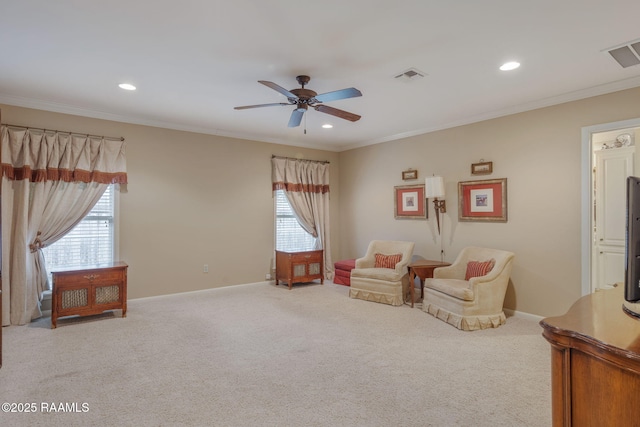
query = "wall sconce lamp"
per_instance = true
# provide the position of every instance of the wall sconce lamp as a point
(434, 188)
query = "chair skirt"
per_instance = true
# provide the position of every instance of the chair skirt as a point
(464, 315)
(368, 289)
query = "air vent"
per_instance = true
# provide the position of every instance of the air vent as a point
(410, 75)
(626, 55)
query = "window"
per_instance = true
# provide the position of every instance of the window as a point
(90, 242)
(290, 236)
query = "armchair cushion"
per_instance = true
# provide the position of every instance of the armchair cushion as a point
(479, 268)
(387, 261)
(454, 287)
(384, 274)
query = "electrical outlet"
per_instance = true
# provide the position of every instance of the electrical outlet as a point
(267, 276)
(205, 269)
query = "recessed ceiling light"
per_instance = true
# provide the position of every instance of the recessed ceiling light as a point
(508, 66)
(327, 126)
(127, 86)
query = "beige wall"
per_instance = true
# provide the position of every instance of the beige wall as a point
(192, 199)
(539, 152)
(196, 199)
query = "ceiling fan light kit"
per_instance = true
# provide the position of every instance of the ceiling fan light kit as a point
(304, 98)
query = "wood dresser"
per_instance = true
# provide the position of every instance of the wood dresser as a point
(88, 291)
(595, 362)
(299, 267)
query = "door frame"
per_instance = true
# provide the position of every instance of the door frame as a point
(586, 226)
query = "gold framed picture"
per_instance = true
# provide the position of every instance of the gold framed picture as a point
(409, 174)
(410, 202)
(483, 201)
(483, 168)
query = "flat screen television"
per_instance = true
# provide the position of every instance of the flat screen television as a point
(632, 246)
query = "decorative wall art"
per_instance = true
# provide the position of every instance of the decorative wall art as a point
(622, 140)
(409, 174)
(482, 168)
(409, 202)
(483, 201)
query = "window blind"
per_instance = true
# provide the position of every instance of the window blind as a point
(90, 242)
(290, 236)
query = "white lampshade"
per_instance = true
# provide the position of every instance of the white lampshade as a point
(434, 187)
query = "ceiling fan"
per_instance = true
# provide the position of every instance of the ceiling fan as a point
(304, 98)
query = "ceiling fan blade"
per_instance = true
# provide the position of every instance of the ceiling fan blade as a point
(244, 107)
(338, 113)
(278, 88)
(296, 118)
(351, 92)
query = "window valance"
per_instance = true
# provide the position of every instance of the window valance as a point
(40, 156)
(304, 176)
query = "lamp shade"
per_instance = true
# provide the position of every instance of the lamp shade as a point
(434, 187)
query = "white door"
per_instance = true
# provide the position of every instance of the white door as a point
(612, 167)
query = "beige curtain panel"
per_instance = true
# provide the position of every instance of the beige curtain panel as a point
(50, 181)
(306, 185)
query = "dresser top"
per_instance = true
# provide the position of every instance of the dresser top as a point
(598, 319)
(115, 264)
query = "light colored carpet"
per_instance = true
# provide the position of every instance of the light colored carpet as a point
(261, 355)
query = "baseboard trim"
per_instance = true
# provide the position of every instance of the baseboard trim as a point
(522, 315)
(267, 282)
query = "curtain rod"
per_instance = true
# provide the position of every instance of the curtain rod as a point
(120, 138)
(306, 160)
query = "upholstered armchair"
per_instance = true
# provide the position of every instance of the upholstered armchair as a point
(382, 274)
(469, 294)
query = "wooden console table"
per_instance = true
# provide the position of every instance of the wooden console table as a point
(423, 269)
(299, 267)
(88, 291)
(595, 362)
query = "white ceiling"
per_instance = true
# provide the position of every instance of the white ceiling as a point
(194, 60)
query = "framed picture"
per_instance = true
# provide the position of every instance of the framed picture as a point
(409, 174)
(409, 202)
(483, 168)
(483, 200)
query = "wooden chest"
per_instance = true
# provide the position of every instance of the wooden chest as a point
(88, 291)
(299, 267)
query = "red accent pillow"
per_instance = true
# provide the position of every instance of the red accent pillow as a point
(387, 261)
(479, 268)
